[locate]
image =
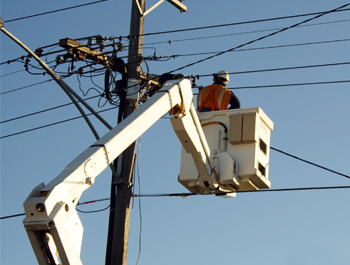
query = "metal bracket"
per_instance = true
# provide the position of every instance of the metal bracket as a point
(175, 3)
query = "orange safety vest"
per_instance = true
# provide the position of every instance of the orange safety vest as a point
(215, 97)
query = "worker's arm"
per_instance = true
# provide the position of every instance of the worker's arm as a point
(234, 102)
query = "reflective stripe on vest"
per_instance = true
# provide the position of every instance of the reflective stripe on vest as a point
(222, 93)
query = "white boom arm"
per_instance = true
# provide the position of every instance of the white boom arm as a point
(51, 221)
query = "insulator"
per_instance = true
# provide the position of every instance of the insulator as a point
(39, 52)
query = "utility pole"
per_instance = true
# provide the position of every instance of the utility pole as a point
(118, 234)
(119, 219)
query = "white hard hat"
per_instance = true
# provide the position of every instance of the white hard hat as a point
(223, 74)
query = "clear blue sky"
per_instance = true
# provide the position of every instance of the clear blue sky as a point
(311, 122)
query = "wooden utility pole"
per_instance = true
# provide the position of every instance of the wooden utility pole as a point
(118, 234)
(119, 218)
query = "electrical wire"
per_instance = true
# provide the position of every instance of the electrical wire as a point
(13, 60)
(140, 213)
(11, 216)
(93, 201)
(264, 48)
(233, 88)
(82, 203)
(242, 72)
(295, 84)
(238, 50)
(87, 92)
(212, 26)
(16, 89)
(185, 195)
(282, 68)
(55, 123)
(261, 38)
(239, 33)
(308, 162)
(45, 110)
(12, 73)
(54, 11)
(95, 211)
(246, 22)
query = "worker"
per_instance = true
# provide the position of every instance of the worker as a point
(216, 96)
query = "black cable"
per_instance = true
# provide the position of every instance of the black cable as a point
(11, 216)
(295, 84)
(308, 162)
(282, 68)
(55, 123)
(2, 93)
(213, 26)
(184, 195)
(45, 110)
(233, 88)
(140, 214)
(13, 60)
(96, 211)
(264, 48)
(62, 77)
(261, 38)
(87, 92)
(285, 85)
(245, 22)
(12, 73)
(214, 52)
(238, 33)
(53, 11)
(242, 72)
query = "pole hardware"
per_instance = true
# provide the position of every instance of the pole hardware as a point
(178, 4)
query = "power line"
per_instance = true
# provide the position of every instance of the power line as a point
(204, 53)
(12, 73)
(282, 68)
(295, 84)
(22, 214)
(11, 216)
(247, 22)
(212, 26)
(232, 73)
(266, 47)
(184, 195)
(240, 33)
(261, 38)
(55, 123)
(45, 110)
(308, 162)
(35, 84)
(13, 60)
(54, 11)
(247, 87)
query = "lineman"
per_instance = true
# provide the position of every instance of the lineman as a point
(216, 96)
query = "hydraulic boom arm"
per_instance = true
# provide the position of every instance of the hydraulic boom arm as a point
(51, 221)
